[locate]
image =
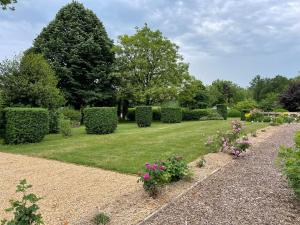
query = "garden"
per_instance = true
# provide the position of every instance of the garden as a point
(131, 117)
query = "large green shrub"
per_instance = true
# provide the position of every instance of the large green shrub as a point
(54, 118)
(130, 114)
(25, 125)
(171, 115)
(234, 113)
(143, 116)
(222, 110)
(100, 120)
(1, 115)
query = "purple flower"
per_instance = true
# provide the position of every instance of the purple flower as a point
(154, 167)
(162, 167)
(146, 176)
(148, 166)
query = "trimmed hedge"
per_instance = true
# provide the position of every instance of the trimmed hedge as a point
(25, 125)
(222, 110)
(100, 120)
(188, 114)
(171, 115)
(234, 113)
(143, 116)
(243, 113)
(54, 119)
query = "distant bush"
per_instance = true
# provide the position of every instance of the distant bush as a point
(171, 115)
(267, 119)
(54, 118)
(130, 114)
(25, 125)
(143, 116)
(246, 104)
(234, 113)
(156, 113)
(280, 110)
(210, 114)
(100, 120)
(65, 127)
(222, 110)
(2, 123)
(72, 114)
(243, 114)
(188, 114)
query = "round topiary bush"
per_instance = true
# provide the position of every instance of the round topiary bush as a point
(100, 120)
(25, 125)
(171, 115)
(234, 113)
(222, 110)
(143, 116)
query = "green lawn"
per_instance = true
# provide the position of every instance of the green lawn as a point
(129, 147)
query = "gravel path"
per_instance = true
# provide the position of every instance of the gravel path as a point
(249, 191)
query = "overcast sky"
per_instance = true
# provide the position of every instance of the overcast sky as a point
(220, 39)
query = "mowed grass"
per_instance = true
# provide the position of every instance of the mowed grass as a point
(129, 147)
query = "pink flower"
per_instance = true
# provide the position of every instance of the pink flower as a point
(162, 167)
(154, 167)
(148, 166)
(146, 176)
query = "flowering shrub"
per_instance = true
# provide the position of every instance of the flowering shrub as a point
(160, 173)
(230, 140)
(240, 146)
(155, 176)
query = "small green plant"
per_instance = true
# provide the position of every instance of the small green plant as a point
(101, 218)
(177, 168)
(25, 210)
(290, 162)
(201, 163)
(65, 128)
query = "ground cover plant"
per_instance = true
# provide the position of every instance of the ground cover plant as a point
(290, 162)
(129, 147)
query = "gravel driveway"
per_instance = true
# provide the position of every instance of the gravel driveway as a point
(249, 191)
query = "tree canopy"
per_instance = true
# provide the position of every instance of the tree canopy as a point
(29, 82)
(290, 98)
(149, 67)
(7, 4)
(79, 50)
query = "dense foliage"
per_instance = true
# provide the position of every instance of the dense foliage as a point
(149, 67)
(143, 116)
(100, 120)
(54, 120)
(25, 125)
(25, 210)
(79, 50)
(29, 82)
(290, 98)
(65, 127)
(171, 115)
(7, 4)
(222, 110)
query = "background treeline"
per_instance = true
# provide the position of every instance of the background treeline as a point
(74, 63)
